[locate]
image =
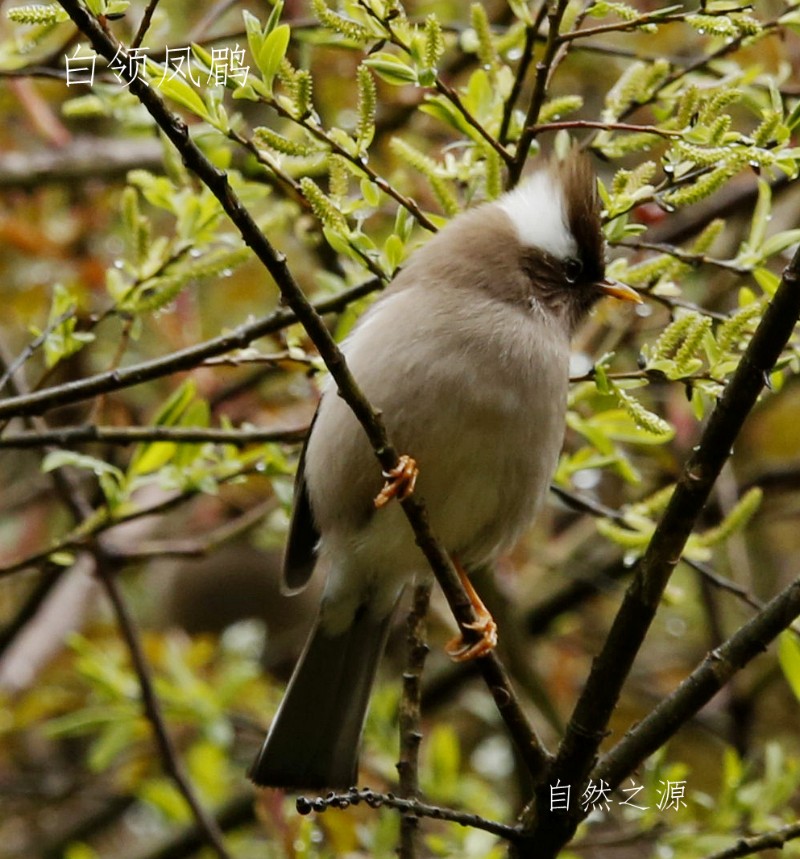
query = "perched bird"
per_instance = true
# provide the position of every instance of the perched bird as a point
(467, 355)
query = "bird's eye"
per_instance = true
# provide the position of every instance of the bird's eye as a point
(573, 268)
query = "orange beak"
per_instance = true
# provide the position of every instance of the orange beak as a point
(619, 290)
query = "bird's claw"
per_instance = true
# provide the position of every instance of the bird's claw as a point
(465, 649)
(460, 649)
(400, 481)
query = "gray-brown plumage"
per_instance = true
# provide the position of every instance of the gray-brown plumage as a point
(466, 354)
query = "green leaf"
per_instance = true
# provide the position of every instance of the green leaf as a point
(149, 457)
(779, 242)
(371, 193)
(272, 52)
(618, 424)
(63, 340)
(164, 797)
(793, 120)
(338, 241)
(521, 11)
(113, 740)
(440, 108)
(758, 228)
(59, 458)
(391, 69)
(179, 90)
(170, 413)
(274, 16)
(197, 414)
(394, 249)
(789, 659)
(767, 280)
(480, 95)
(255, 35)
(79, 850)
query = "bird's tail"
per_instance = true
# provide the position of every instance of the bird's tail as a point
(314, 739)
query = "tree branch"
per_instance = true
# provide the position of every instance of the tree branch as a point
(495, 676)
(411, 806)
(700, 686)
(88, 434)
(590, 718)
(212, 835)
(531, 36)
(82, 158)
(554, 16)
(775, 839)
(410, 714)
(39, 402)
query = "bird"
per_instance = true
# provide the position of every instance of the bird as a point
(466, 355)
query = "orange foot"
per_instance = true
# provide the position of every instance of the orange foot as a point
(400, 481)
(460, 649)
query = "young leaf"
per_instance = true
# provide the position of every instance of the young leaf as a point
(272, 52)
(789, 658)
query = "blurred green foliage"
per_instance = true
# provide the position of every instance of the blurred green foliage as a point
(352, 130)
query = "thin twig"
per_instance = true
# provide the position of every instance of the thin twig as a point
(591, 715)
(554, 16)
(775, 839)
(30, 349)
(89, 434)
(572, 124)
(51, 576)
(446, 90)
(622, 26)
(152, 709)
(693, 259)
(531, 35)
(144, 25)
(409, 715)
(529, 744)
(39, 402)
(357, 161)
(455, 99)
(411, 806)
(543, 613)
(199, 547)
(83, 512)
(699, 687)
(96, 522)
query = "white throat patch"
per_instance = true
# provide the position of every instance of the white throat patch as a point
(536, 208)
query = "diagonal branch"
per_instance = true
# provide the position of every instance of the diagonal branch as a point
(700, 686)
(495, 676)
(38, 402)
(169, 754)
(91, 433)
(410, 715)
(531, 36)
(554, 16)
(775, 839)
(410, 806)
(610, 669)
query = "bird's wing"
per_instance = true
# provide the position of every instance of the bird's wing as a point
(301, 547)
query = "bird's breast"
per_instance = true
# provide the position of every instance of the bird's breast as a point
(476, 393)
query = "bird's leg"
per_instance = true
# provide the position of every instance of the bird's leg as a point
(461, 650)
(400, 481)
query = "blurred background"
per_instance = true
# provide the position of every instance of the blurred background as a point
(194, 539)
